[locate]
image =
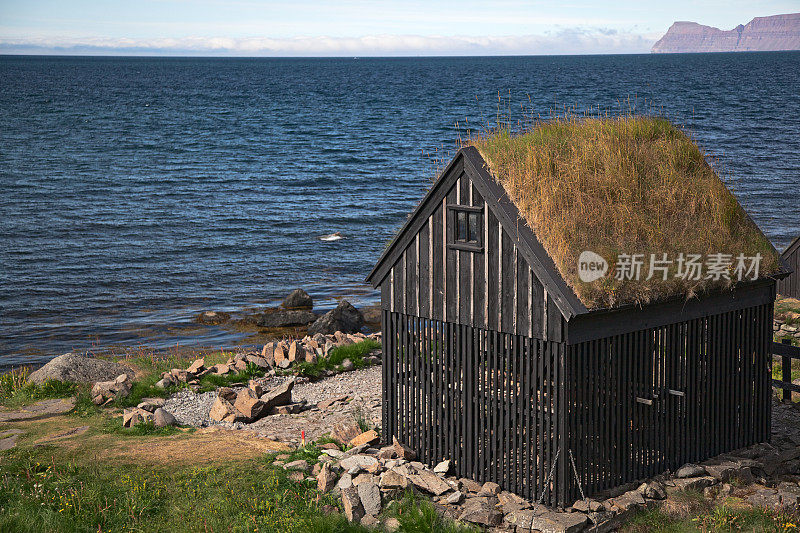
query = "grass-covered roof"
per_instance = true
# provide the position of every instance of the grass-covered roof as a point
(622, 185)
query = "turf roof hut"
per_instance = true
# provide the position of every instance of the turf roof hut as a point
(790, 285)
(498, 357)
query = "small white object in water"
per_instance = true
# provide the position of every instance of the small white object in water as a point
(331, 237)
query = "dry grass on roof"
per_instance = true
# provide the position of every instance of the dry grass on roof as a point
(622, 185)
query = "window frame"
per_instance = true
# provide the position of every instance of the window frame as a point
(452, 221)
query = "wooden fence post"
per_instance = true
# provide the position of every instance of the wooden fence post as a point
(786, 373)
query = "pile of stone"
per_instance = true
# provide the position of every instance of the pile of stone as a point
(149, 410)
(310, 348)
(367, 478)
(197, 369)
(105, 392)
(252, 403)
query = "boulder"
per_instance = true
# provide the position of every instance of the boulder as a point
(212, 318)
(163, 418)
(455, 498)
(298, 299)
(280, 395)
(296, 351)
(690, 470)
(344, 318)
(347, 365)
(283, 318)
(79, 369)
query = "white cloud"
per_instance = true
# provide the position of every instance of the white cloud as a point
(571, 41)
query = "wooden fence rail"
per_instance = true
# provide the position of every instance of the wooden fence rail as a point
(786, 352)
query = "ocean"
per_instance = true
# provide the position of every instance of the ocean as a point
(137, 192)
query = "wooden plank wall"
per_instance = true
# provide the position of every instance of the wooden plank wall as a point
(790, 286)
(493, 289)
(487, 401)
(652, 400)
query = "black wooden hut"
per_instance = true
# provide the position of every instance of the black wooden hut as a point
(491, 360)
(790, 285)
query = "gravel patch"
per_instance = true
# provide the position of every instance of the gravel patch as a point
(189, 408)
(363, 387)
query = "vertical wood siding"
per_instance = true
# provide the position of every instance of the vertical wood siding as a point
(494, 288)
(649, 401)
(790, 286)
(486, 400)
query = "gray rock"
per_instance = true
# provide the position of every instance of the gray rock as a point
(347, 365)
(455, 498)
(361, 461)
(653, 490)
(370, 496)
(443, 467)
(695, 483)
(690, 470)
(298, 299)
(151, 404)
(345, 318)
(282, 318)
(480, 511)
(351, 502)
(79, 369)
(163, 418)
(552, 522)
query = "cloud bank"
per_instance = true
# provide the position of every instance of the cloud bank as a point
(572, 41)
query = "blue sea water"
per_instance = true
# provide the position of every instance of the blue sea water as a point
(136, 192)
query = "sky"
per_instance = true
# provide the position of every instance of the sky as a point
(357, 28)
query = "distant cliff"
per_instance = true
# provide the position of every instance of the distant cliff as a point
(778, 32)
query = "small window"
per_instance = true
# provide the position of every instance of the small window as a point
(467, 224)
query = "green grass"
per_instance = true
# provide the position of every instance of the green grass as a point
(43, 490)
(16, 390)
(355, 352)
(727, 516)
